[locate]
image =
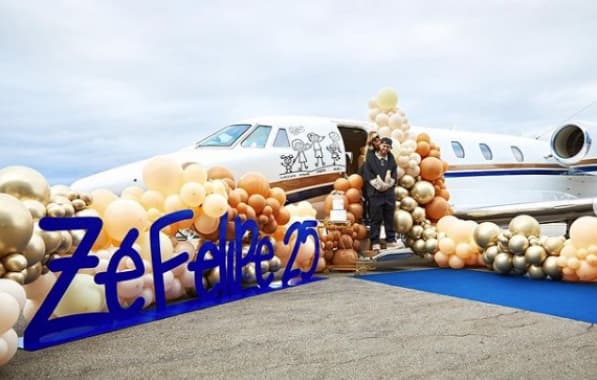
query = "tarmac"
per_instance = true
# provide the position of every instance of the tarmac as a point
(339, 328)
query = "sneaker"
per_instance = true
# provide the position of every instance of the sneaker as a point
(394, 245)
(375, 247)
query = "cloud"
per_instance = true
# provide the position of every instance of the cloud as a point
(89, 85)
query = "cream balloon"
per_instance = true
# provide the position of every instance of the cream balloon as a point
(192, 194)
(15, 290)
(10, 344)
(10, 311)
(122, 215)
(382, 120)
(16, 225)
(387, 99)
(82, 296)
(395, 121)
(101, 199)
(152, 199)
(582, 232)
(215, 205)
(194, 173)
(132, 192)
(163, 174)
(166, 247)
(173, 202)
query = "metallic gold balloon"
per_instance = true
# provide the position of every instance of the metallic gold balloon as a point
(525, 225)
(16, 225)
(66, 243)
(428, 257)
(419, 246)
(77, 236)
(423, 192)
(36, 208)
(408, 204)
(2, 270)
(430, 233)
(69, 210)
(87, 198)
(213, 277)
(403, 221)
(490, 254)
(72, 195)
(416, 232)
(18, 277)
(275, 264)
(59, 190)
(15, 262)
(536, 272)
(401, 192)
(553, 245)
(486, 234)
(56, 210)
(418, 214)
(264, 266)
(535, 255)
(24, 183)
(33, 272)
(248, 274)
(518, 244)
(79, 204)
(502, 263)
(431, 245)
(407, 181)
(520, 263)
(59, 200)
(551, 268)
(52, 239)
(35, 250)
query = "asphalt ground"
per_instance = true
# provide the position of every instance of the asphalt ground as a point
(339, 328)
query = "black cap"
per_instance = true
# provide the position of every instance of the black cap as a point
(386, 140)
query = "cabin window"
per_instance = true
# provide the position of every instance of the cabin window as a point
(258, 137)
(226, 136)
(486, 151)
(458, 149)
(517, 153)
(281, 140)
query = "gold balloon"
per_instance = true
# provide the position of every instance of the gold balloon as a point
(416, 232)
(15, 262)
(18, 277)
(24, 183)
(35, 250)
(403, 221)
(419, 214)
(535, 255)
(2, 270)
(52, 239)
(525, 225)
(520, 263)
(16, 225)
(551, 268)
(77, 236)
(423, 192)
(407, 181)
(87, 198)
(401, 192)
(431, 245)
(213, 277)
(429, 233)
(419, 246)
(69, 210)
(248, 274)
(33, 272)
(486, 234)
(502, 263)
(408, 204)
(518, 244)
(72, 195)
(275, 264)
(56, 210)
(79, 204)
(36, 208)
(536, 272)
(553, 245)
(66, 243)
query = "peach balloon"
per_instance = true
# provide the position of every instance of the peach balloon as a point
(166, 247)
(254, 183)
(586, 272)
(219, 172)
(355, 181)
(194, 173)
(173, 202)
(282, 251)
(40, 288)
(446, 224)
(163, 174)
(279, 194)
(8, 340)
(101, 199)
(441, 259)
(130, 288)
(215, 205)
(10, 311)
(152, 199)
(206, 224)
(341, 184)
(455, 262)
(463, 250)
(122, 215)
(582, 231)
(437, 208)
(132, 192)
(447, 246)
(192, 194)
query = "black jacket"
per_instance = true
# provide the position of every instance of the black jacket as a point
(372, 168)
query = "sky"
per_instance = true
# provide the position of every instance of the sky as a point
(89, 85)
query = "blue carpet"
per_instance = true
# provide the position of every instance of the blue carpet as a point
(563, 299)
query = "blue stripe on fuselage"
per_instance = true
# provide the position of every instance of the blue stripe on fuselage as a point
(504, 172)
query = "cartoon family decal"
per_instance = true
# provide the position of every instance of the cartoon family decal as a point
(299, 163)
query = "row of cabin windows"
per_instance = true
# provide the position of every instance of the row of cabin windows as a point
(486, 151)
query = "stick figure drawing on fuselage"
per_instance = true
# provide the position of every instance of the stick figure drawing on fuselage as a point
(334, 147)
(300, 147)
(315, 140)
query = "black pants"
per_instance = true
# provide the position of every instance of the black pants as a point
(381, 210)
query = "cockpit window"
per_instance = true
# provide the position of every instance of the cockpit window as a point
(458, 149)
(486, 151)
(281, 140)
(226, 136)
(258, 137)
(517, 153)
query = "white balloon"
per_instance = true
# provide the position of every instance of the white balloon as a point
(397, 134)
(10, 311)
(413, 171)
(395, 121)
(382, 119)
(373, 114)
(14, 289)
(372, 103)
(10, 340)
(384, 131)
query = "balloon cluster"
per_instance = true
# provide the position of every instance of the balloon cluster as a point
(421, 195)
(339, 243)
(577, 255)
(26, 197)
(12, 303)
(456, 244)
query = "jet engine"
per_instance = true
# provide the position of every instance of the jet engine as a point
(572, 142)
